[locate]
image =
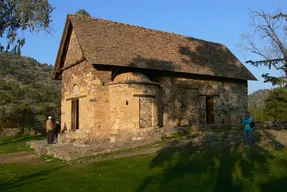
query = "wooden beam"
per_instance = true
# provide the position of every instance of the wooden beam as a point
(75, 98)
(71, 65)
(144, 95)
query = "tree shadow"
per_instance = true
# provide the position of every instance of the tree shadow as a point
(151, 63)
(275, 185)
(190, 62)
(215, 57)
(20, 138)
(208, 162)
(175, 100)
(27, 179)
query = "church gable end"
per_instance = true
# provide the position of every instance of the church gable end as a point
(74, 53)
(70, 52)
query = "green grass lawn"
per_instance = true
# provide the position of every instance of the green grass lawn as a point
(174, 168)
(16, 144)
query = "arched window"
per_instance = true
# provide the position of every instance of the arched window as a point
(207, 90)
(76, 91)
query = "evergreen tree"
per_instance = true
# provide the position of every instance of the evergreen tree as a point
(83, 12)
(276, 104)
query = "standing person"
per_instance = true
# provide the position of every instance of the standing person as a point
(57, 131)
(247, 120)
(49, 130)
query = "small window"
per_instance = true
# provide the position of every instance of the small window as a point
(76, 91)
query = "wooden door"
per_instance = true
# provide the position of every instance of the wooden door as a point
(209, 109)
(75, 114)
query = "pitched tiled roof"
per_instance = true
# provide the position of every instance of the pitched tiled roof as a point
(112, 43)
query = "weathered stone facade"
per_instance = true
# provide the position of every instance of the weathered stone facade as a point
(133, 106)
(88, 85)
(184, 100)
(83, 81)
(107, 107)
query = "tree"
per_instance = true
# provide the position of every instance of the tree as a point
(276, 104)
(268, 40)
(21, 15)
(83, 12)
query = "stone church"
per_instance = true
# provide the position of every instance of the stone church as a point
(119, 78)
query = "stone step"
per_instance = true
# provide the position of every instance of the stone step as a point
(74, 151)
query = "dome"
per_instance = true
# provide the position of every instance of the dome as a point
(131, 77)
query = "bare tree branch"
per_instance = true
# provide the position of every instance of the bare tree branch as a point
(265, 41)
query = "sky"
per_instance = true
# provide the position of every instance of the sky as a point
(221, 21)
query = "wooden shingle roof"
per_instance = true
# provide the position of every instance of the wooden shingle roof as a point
(111, 43)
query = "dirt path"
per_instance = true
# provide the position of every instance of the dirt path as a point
(280, 136)
(20, 157)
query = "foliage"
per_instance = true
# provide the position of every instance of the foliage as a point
(263, 104)
(257, 98)
(28, 94)
(271, 31)
(280, 15)
(256, 105)
(276, 104)
(21, 15)
(259, 116)
(83, 12)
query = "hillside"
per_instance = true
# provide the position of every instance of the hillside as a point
(27, 92)
(257, 98)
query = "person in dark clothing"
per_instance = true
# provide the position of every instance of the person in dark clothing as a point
(248, 138)
(49, 130)
(57, 131)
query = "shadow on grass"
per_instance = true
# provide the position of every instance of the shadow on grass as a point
(27, 179)
(212, 162)
(275, 185)
(10, 140)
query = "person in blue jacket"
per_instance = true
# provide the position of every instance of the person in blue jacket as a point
(247, 129)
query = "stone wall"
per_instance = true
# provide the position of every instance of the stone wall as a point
(93, 98)
(12, 132)
(9, 132)
(110, 108)
(132, 105)
(183, 100)
(99, 101)
(75, 83)
(89, 85)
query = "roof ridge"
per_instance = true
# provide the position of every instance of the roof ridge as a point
(145, 28)
(184, 54)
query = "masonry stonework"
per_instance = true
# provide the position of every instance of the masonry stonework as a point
(184, 99)
(93, 99)
(128, 107)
